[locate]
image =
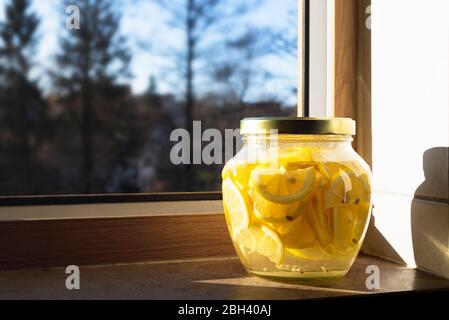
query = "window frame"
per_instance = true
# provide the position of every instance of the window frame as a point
(76, 199)
(50, 228)
(345, 65)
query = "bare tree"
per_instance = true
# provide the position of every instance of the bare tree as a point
(90, 61)
(22, 108)
(238, 70)
(198, 19)
(285, 41)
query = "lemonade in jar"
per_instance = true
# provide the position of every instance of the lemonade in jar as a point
(297, 197)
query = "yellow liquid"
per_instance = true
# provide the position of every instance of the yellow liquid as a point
(297, 218)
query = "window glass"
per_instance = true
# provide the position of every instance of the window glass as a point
(91, 91)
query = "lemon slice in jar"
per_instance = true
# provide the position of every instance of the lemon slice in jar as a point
(282, 186)
(276, 213)
(294, 156)
(290, 156)
(299, 235)
(361, 191)
(337, 194)
(262, 240)
(348, 188)
(239, 172)
(343, 224)
(300, 241)
(348, 196)
(285, 225)
(235, 207)
(361, 222)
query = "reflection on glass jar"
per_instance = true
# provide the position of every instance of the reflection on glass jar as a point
(298, 202)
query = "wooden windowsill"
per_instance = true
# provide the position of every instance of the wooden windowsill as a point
(163, 250)
(91, 234)
(108, 210)
(209, 278)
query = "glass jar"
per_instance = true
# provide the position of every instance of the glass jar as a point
(297, 198)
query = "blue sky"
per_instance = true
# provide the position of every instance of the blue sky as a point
(145, 20)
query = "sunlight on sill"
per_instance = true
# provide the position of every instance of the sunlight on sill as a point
(110, 210)
(262, 283)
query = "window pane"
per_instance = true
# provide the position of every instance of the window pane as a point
(91, 91)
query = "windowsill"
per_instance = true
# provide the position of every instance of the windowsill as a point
(213, 278)
(172, 249)
(93, 234)
(108, 210)
(78, 199)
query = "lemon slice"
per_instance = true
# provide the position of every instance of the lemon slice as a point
(320, 224)
(301, 242)
(360, 224)
(276, 213)
(337, 194)
(311, 252)
(289, 222)
(295, 156)
(299, 235)
(348, 189)
(262, 240)
(361, 191)
(343, 223)
(350, 223)
(325, 174)
(291, 156)
(235, 207)
(240, 173)
(281, 186)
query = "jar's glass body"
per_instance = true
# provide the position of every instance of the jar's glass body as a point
(297, 206)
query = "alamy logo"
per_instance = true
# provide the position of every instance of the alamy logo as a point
(73, 19)
(368, 19)
(373, 280)
(73, 281)
(190, 149)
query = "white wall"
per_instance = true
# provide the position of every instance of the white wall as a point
(410, 108)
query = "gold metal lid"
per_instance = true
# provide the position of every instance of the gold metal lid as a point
(293, 125)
